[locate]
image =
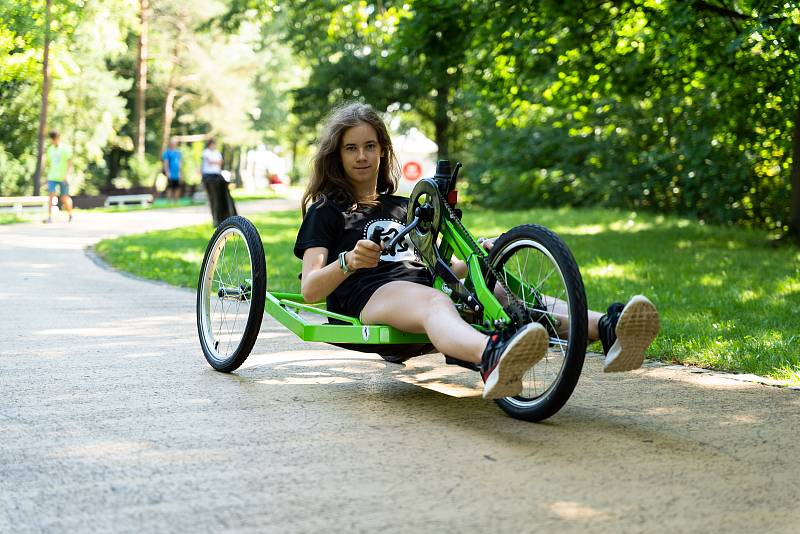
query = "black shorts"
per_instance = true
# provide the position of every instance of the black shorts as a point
(358, 298)
(173, 184)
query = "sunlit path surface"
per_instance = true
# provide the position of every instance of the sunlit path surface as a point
(111, 421)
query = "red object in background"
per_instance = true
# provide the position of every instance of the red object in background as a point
(412, 171)
(274, 180)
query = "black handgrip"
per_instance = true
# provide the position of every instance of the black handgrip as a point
(376, 235)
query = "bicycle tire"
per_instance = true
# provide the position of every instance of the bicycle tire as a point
(538, 403)
(240, 280)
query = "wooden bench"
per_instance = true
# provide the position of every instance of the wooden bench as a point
(126, 200)
(17, 203)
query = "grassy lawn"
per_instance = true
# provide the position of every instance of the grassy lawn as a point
(159, 203)
(9, 218)
(727, 298)
(239, 194)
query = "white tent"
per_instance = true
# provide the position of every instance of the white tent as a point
(417, 156)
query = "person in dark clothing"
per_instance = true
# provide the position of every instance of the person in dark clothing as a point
(219, 197)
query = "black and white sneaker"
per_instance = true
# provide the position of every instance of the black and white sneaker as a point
(626, 332)
(505, 361)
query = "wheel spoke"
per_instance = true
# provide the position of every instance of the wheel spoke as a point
(231, 294)
(540, 292)
(228, 272)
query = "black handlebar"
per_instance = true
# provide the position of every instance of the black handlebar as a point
(375, 237)
(390, 246)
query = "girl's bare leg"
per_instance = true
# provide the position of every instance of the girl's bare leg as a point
(420, 309)
(560, 309)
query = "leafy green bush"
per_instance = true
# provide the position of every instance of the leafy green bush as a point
(693, 174)
(140, 172)
(14, 177)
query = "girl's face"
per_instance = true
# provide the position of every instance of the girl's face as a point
(361, 157)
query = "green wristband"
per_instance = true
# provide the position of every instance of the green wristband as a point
(343, 262)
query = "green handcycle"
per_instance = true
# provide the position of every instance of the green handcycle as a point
(529, 275)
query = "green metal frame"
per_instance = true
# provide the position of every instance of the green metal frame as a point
(287, 307)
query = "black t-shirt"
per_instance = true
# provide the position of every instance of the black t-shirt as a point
(337, 229)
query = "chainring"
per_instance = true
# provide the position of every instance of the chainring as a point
(425, 234)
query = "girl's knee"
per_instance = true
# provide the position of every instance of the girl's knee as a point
(438, 300)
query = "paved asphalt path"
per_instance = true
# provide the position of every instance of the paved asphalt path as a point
(111, 421)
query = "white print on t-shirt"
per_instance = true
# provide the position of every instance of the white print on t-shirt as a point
(404, 251)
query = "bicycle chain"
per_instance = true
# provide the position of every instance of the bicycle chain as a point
(514, 302)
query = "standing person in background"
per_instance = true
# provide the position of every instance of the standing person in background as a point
(171, 158)
(219, 198)
(59, 167)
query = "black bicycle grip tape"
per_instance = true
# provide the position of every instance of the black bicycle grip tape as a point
(376, 235)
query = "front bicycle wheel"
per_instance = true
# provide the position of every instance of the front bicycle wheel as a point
(546, 286)
(231, 294)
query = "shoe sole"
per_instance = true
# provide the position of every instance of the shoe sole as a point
(637, 327)
(525, 351)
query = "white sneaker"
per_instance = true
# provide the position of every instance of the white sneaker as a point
(628, 332)
(505, 362)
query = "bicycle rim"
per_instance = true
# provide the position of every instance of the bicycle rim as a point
(545, 295)
(226, 295)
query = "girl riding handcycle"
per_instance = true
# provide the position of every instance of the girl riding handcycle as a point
(513, 307)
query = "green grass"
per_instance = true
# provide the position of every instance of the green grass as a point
(261, 195)
(10, 218)
(728, 299)
(159, 203)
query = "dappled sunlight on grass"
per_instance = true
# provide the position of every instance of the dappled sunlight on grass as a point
(10, 218)
(790, 374)
(611, 270)
(710, 280)
(583, 229)
(748, 295)
(789, 286)
(628, 226)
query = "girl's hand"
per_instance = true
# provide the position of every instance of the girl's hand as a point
(365, 255)
(487, 242)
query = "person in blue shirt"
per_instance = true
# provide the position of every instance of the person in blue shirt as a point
(171, 159)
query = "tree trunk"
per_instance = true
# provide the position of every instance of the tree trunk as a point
(37, 175)
(294, 176)
(169, 113)
(169, 109)
(794, 217)
(141, 78)
(441, 123)
(239, 153)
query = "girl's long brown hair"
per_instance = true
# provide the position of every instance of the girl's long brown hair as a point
(328, 180)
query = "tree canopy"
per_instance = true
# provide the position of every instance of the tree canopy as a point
(676, 106)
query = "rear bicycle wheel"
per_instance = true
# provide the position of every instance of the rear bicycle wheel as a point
(231, 293)
(541, 273)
